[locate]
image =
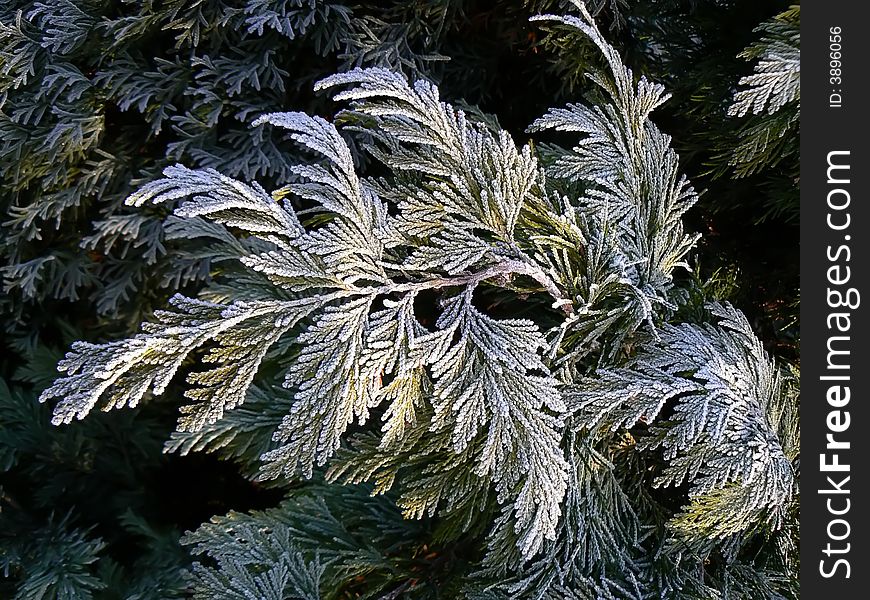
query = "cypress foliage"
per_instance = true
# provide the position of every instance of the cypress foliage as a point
(418, 281)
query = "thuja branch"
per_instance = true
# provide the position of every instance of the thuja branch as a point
(502, 268)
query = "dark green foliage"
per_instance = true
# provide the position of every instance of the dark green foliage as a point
(332, 542)
(122, 89)
(69, 506)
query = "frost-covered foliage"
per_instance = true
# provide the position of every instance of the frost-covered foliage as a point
(772, 95)
(728, 433)
(97, 97)
(776, 81)
(86, 96)
(320, 542)
(480, 331)
(254, 560)
(726, 398)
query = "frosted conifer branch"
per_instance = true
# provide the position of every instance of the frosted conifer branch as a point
(329, 277)
(720, 439)
(776, 80)
(477, 402)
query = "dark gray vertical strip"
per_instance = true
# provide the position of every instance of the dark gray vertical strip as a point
(835, 370)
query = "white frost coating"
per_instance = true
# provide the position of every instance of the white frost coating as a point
(468, 209)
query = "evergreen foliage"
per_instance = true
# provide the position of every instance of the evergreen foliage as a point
(95, 96)
(773, 90)
(57, 541)
(472, 364)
